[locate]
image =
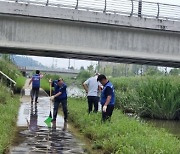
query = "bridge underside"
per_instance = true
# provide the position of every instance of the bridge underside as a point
(28, 34)
(63, 54)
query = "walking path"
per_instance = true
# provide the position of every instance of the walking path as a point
(34, 136)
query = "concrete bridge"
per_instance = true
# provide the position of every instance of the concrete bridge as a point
(48, 30)
(64, 72)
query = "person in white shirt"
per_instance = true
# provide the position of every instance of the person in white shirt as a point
(92, 88)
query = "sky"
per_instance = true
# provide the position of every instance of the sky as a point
(64, 63)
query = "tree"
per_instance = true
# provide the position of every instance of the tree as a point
(71, 68)
(153, 71)
(6, 57)
(90, 68)
(83, 75)
(174, 71)
(82, 68)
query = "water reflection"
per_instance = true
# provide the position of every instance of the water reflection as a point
(74, 91)
(171, 126)
(54, 126)
(38, 138)
(33, 123)
(59, 139)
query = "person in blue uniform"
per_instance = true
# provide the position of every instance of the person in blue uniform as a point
(60, 96)
(107, 97)
(35, 80)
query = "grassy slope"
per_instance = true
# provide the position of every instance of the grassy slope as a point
(20, 81)
(9, 105)
(12, 71)
(123, 134)
(8, 110)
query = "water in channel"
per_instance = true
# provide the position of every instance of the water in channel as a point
(34, 136)
(171, 126)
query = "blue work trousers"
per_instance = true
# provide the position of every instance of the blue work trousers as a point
(64, 107)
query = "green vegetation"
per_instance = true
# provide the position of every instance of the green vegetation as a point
(174, 71)
(154, 97)
(8, 105)
(45, 81)
(8, 68)
(45, 84)
(8, 110)
(122, 134)
(148, 96)
(117, 70)
(83, 76)
(20, 81)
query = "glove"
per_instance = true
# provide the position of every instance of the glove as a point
(50, 80)
(52, 98)
(41, 76)
(104, 108)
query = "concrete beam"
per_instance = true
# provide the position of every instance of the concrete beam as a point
(65, 33)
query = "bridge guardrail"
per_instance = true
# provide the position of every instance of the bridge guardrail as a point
(137, 8)
(50, 70)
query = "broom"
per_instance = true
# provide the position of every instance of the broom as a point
(49, 118)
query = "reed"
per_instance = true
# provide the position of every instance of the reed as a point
(155, 97)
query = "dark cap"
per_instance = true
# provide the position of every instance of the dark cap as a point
(101, 77)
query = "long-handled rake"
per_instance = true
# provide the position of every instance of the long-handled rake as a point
(49, 118)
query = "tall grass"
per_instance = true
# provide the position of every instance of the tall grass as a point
(126, 94)
(8, 111)
(45, 84)
(12, 71)
(122, 134)
(20, 81)
(9, 69)
(159, 98)
(155, 97)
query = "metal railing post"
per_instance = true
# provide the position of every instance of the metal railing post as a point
(16, 1)
(140, 8)
(47, 3)
(105, 4)
(77, 4)
(132, 9)
(158, 11)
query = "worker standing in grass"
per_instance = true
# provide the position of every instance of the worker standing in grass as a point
(35, 80)
(92, 87)
(60, 96)
(107, 97)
